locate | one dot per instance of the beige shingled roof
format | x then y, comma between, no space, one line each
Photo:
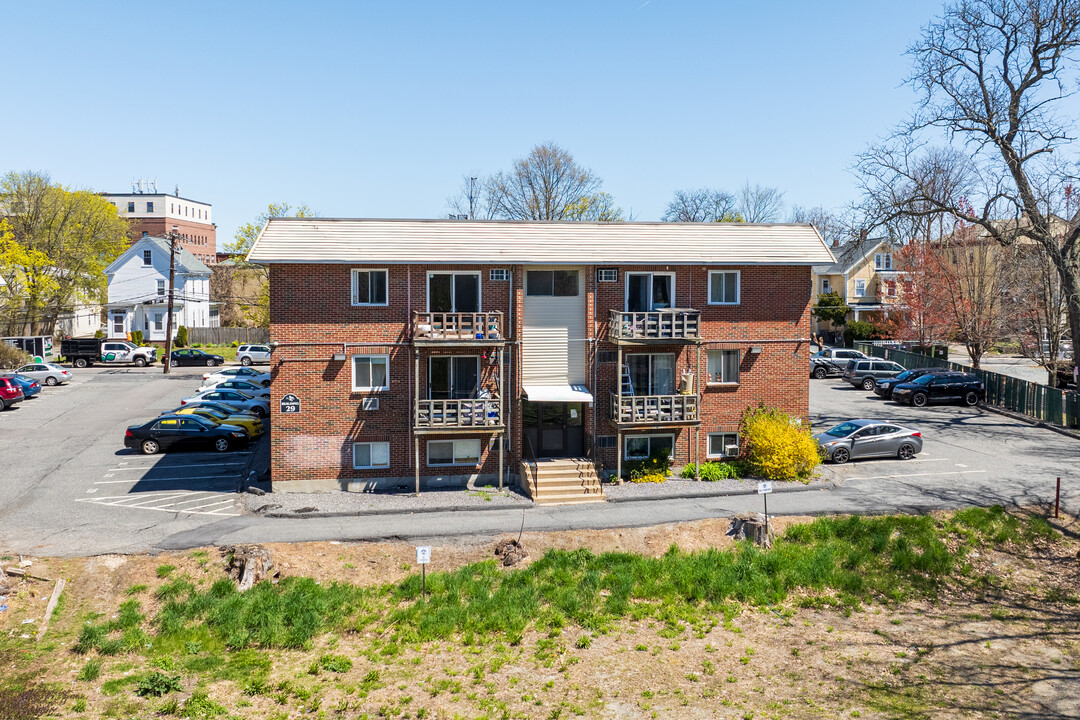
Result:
433,242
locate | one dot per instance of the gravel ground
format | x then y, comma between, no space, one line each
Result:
682,488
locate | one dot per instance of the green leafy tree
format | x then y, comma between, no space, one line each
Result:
830,306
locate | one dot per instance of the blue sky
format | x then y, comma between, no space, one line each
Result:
364,109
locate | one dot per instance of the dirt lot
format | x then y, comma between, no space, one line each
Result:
1008,647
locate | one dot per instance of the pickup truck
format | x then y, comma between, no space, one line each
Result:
87,351
832,361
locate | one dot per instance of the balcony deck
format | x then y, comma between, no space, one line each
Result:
469,328
677,325
646,410
452,415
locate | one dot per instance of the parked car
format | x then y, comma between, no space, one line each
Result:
253,389
30,387
941,387
831,361
232,398
10,393
858,439
885,387
174,432
240,373
228,409
192,356
250,354
866,373
249,422
45,373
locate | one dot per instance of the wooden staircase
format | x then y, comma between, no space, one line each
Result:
566,480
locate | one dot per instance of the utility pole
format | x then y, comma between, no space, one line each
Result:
167,365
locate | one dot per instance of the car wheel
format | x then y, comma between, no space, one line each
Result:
3,404
840,455
259,412
971,398
820,373
140,362
246,362
918,400
868,384
79,362
50,380
150,447
221,444
906,451
266,383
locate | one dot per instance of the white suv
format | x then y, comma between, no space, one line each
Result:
249,354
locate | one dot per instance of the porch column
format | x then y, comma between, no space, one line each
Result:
416,414
499,439
699,382
618,413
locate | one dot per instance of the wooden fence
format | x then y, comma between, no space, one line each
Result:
1042,402
228,335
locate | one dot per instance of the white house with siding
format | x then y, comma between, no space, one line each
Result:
139,291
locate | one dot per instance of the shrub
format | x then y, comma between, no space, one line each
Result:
235,343
181,337
335,663
659,463
99,334
713,471
779,447
137,337
647,478
156,684
12,357
859,330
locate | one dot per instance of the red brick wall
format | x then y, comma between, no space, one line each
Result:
312,318
197,238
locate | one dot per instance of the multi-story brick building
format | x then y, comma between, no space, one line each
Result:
154,214
442,351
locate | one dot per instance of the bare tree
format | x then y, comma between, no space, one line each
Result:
547,184
835,229
992,75
703,205
760,204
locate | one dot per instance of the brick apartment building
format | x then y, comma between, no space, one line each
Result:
440,352
155,214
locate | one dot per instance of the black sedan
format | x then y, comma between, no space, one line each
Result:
184,432
191,356
885,386
941,387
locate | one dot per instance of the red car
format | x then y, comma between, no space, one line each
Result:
10,393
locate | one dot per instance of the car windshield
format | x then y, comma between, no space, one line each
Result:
819,353
843,430
923,379
905,375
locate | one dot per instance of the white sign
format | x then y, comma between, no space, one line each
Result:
423,554
764,488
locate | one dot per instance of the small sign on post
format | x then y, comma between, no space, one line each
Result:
423,557
764,488
290,404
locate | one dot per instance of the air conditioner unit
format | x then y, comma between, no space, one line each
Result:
731,451
369,404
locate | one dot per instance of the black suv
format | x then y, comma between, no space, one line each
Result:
941,387
885,387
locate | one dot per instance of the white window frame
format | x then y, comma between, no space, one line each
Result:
499,275
453,288
371,454
454,459
161,288
626,289
826,286
147,258
860,287
709,379
738,286
352,287
883,261
708,444
369,388
626,445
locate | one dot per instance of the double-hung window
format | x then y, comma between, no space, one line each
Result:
883,261
641,447
453,292
860,288
147,258
724,287
453,377
160,287
369,455
652,373
453,452
649,291
369,287
723,444
723,366
370,372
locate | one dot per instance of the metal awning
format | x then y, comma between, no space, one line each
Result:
558,393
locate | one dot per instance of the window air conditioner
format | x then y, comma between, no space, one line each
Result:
731,451
369,404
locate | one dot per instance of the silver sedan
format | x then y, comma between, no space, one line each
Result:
45,373
858,439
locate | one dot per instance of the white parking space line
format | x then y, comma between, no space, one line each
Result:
172,502
911,475
166,467
173,479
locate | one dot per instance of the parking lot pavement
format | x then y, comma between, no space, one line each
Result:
970,455
69,486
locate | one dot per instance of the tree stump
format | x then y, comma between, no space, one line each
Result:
511,552
750,526
247,564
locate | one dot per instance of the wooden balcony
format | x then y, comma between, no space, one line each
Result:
458,415
655,409
466,327
659,326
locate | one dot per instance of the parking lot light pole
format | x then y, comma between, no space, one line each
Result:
172,237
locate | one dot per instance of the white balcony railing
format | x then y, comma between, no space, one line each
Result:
675,324
654,409
453,414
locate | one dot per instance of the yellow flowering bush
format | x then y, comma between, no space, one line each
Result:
778,446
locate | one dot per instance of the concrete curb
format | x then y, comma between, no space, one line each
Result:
1032,421
783,489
